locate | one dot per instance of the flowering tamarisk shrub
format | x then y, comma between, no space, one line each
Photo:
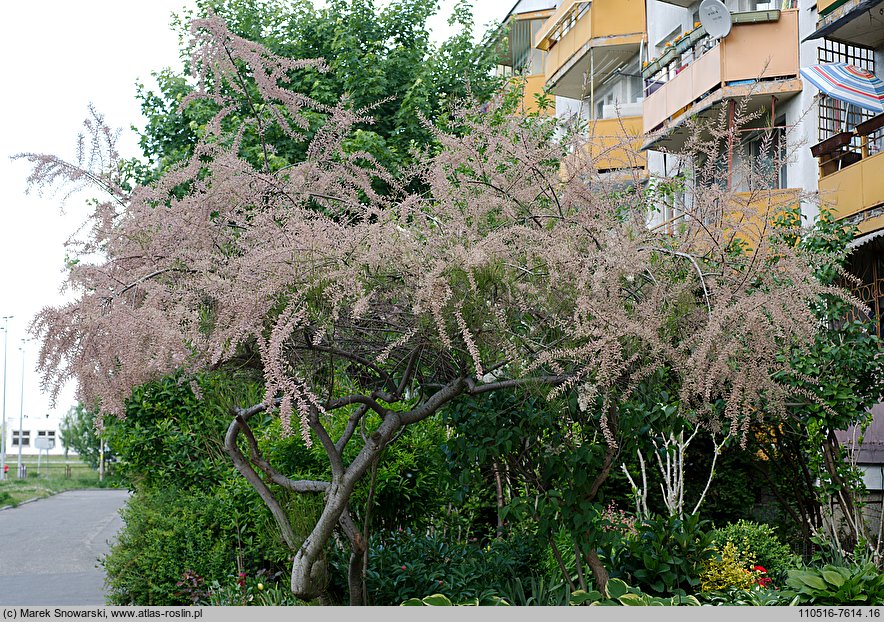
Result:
504,270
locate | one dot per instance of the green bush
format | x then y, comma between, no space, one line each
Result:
403,565
667,555
440,600
168,533
836,585
172,438
618,594
728,569
536,592
760,542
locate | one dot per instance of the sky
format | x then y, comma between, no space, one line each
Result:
60,57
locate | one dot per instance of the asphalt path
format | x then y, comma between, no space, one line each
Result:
49,549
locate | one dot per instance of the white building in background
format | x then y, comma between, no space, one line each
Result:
33,426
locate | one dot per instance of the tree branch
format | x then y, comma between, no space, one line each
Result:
352,422
242,465
275,476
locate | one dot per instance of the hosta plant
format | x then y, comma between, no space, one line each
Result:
837,585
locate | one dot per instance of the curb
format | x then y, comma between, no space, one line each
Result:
31,500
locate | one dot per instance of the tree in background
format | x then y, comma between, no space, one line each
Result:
367,312
77,431
809,470
381,58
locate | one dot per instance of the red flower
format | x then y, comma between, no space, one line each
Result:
403,567
760,569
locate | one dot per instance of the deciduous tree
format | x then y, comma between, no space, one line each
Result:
506,270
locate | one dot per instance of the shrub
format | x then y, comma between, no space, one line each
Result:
403,566
440,600
667,555
243,590
168,533
755,597
760,542
728,569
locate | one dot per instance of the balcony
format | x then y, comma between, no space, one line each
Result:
758,59
856,193
589,39
851,21
851,179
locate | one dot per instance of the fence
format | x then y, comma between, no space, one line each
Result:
52,469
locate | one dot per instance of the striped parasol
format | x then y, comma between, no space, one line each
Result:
847,83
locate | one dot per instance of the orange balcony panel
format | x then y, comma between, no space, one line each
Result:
616,144
533,88
754,212
612,18
767,50
769,203
855,190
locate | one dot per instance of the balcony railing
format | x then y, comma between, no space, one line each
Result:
766,50
851,178
613,28
750,215
823,6
615,144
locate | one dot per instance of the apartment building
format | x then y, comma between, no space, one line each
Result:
640,69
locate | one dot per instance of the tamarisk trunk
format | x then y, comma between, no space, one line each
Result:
309,568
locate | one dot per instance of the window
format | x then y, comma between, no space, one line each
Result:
46,434
766,150
661,45
24,440
867,264
753,5
835,116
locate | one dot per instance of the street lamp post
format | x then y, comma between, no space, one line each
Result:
5,319
21,406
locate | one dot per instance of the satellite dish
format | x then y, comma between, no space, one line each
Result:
715,18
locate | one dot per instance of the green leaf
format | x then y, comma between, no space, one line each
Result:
616,588
493,601
833,577
809,579
437,600
631,600
581,596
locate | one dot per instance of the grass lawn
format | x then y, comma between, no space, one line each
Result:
56,475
